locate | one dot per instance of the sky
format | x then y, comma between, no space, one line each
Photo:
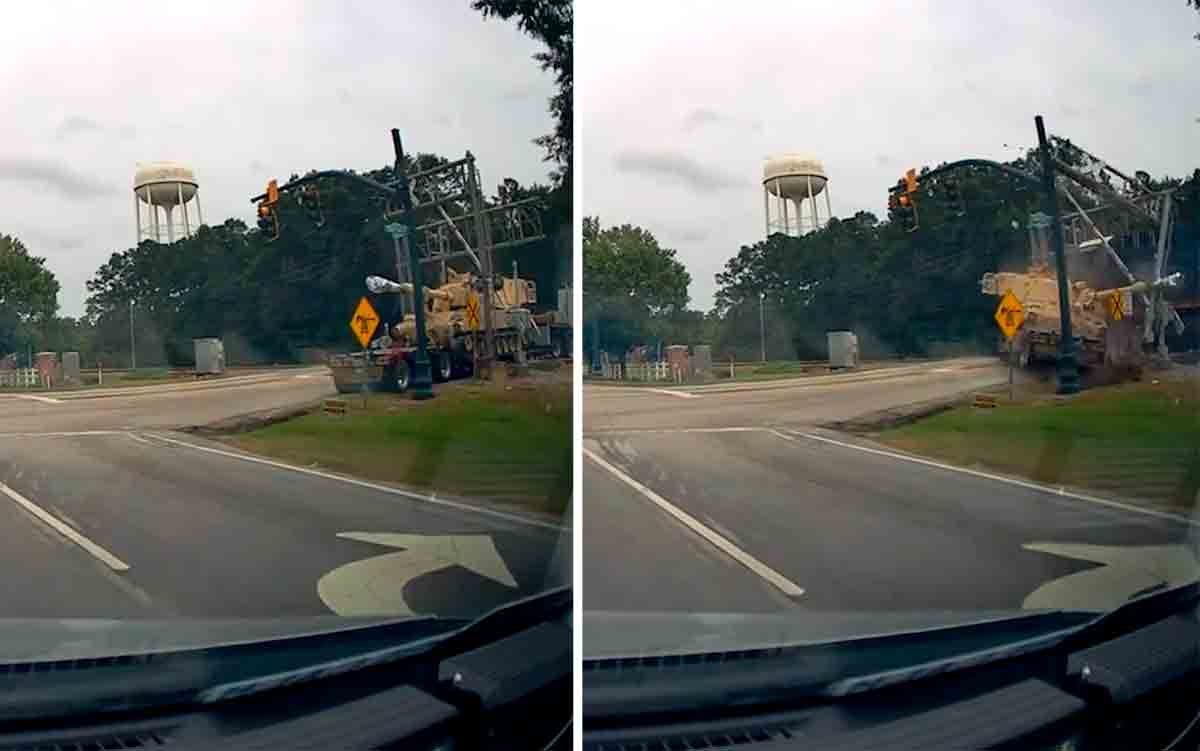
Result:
242,92
680,103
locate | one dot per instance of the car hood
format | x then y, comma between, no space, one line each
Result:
609,635
39,640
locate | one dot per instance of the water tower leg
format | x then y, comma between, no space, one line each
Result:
154,214
812,204
786,224
199,214
828,203
170,225
187,230
137,216
766,209
779,214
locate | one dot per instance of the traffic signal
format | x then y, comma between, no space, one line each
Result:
310,201
952,195
906,212
902,203
268,221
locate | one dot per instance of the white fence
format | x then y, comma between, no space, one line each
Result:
642,371
21,378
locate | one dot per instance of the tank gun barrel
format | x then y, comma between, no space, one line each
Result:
379,286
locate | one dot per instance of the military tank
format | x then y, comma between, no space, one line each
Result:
1106,323
451,309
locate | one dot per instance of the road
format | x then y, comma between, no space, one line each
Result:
106,510
724,499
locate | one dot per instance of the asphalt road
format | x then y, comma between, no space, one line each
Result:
721,500
105,511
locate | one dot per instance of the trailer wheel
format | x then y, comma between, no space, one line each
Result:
443,367
398,377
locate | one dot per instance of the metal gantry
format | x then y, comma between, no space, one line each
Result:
462,226
1137,202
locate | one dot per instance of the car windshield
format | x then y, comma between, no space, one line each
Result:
890,317
206,410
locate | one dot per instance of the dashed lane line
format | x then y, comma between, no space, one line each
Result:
64,529
717,540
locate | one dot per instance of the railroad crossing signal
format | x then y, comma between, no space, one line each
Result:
473,312
1009,314
364,322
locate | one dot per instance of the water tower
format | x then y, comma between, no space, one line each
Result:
163,187
794,179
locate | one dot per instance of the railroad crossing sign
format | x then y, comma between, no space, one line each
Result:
364,322
1114,307
1009,314
473,312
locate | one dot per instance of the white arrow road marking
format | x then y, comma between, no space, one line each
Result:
1125,571
375,586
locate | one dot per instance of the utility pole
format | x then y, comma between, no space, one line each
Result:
422,375
132,344
762,323
1068,367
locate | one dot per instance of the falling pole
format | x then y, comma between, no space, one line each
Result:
1068,367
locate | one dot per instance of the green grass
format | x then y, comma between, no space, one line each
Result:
1134,441
510,446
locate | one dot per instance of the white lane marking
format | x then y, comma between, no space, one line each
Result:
62,434
1059,491
105,557
721,543
138,438
365,484
680,394
35,398
643,431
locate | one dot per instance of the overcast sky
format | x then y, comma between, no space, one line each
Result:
680,102
241,92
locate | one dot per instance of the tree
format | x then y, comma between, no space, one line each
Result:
28,294
633,287
552,23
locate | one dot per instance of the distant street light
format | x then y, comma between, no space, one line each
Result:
762,324
132,343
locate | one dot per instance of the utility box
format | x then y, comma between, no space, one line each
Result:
565,303
47,367
702,361
210,356
677,357
843,349
70,368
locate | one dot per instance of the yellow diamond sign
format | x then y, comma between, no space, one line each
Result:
473,312
364,322
1009,314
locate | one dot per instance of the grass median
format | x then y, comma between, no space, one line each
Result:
511,446
1137,441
